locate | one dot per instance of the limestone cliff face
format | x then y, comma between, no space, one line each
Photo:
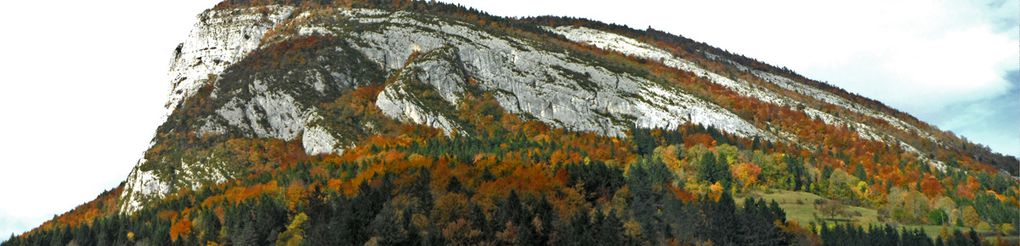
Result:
266,72
406,98
219,38
610,41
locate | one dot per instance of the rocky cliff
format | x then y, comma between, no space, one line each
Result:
266,72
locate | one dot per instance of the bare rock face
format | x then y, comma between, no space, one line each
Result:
629,46
231,65
553,87
550,86
426,91
219,39
141,184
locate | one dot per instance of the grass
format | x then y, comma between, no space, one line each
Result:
800,207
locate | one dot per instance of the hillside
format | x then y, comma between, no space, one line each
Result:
397,122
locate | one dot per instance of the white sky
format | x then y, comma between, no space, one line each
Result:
82,83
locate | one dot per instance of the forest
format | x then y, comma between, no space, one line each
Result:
512,179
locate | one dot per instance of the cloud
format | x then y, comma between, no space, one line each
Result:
84,81
993,120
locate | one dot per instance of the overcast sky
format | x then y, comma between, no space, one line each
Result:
82,83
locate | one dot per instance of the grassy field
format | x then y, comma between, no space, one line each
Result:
800,207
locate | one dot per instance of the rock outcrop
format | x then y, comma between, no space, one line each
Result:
267,72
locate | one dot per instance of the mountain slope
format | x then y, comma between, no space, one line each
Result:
343,99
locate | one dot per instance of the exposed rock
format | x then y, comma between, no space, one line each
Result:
219,39
317,140
426,91
144,185
249,91
628,46
553,87
141,184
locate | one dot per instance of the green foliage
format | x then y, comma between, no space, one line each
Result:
597,179
498,180
938,217
887,235
256,222
712,168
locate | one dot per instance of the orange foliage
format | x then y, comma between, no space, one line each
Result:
104,204
267,154
239,194
681,193
524,180
715,191
968,190
295,195
167,215
747,173
699,138
180,228
931,186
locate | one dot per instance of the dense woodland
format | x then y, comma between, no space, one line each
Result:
514,180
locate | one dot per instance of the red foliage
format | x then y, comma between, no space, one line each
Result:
931,186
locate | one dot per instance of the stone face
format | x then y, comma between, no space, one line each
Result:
554,87
628,46
140,184
437,71
144,185
219,39
424,64
397,102
318,140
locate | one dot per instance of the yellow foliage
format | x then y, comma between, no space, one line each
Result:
747,173
971,217
294,235
632,228
715,191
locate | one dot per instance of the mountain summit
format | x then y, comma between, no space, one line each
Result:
382,122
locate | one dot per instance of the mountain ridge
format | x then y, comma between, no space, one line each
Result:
281,79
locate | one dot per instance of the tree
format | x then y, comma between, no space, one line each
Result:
931,186
971,217
610,231
722,219
180,228
256,222
747,174
294,235
860,173
643,140
454,185
840,184
832,208
938,217
798,179
714,168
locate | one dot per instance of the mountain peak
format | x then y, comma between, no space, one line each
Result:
409,110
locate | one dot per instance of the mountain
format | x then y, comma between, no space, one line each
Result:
389,122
